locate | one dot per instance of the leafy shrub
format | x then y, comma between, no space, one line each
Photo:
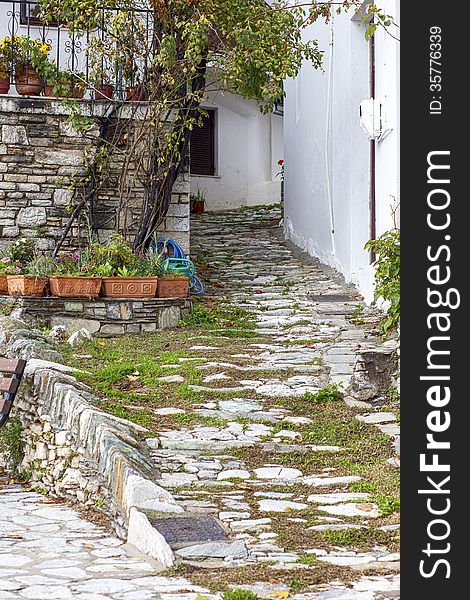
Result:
387,274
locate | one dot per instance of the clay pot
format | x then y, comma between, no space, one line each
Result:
173,287
4,85
3,285
26,285
75,286
198,206
28,83
71,90
136,93
129,287
105,91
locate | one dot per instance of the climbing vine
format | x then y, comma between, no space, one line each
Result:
387,274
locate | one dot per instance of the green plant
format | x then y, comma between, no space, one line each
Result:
40,266
239,594
31,53
329,393
12,444
21,251
4,263
387,274
5,58
116,258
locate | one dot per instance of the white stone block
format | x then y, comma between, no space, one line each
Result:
147,539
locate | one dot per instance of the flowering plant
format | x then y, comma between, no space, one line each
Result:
5,57
21,251
280,162
4,264
29,52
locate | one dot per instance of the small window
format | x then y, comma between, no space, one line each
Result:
30,14
202,147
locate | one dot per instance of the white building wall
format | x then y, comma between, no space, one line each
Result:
248,146
327,153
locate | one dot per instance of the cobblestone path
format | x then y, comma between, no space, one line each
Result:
302,520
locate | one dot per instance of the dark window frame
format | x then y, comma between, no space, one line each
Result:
27,19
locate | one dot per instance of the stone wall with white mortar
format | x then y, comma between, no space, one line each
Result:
39,155
76,451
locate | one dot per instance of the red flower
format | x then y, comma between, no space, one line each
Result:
280,162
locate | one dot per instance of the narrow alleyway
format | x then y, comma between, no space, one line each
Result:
262,437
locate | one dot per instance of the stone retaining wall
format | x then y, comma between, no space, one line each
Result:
103,317
39,154
75,451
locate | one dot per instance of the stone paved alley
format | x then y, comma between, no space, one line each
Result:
289,504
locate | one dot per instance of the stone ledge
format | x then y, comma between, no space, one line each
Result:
78,452
103,317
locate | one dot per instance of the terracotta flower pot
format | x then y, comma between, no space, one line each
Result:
173,287
4,85
105,91
28,83
198,206
136,93
129,287
3,285
70,90
26,285
75,286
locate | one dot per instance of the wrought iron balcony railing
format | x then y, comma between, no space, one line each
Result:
45,58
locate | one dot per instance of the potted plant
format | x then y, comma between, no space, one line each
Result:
65,84
4,263
5,65
172,284
31,280
126,273
73,277
198,201
31,59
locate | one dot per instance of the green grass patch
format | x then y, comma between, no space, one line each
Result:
331,393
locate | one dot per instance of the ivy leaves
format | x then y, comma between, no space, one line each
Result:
387,274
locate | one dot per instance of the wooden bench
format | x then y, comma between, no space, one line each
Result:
11,372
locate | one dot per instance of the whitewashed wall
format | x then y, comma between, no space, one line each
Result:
327,157
248,146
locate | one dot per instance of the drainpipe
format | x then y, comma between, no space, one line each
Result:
327,140
372,156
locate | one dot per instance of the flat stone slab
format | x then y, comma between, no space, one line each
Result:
379,417
327,481
280,505
366,509
236,549
233,474
336,498
277,473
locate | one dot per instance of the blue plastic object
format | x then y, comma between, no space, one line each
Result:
176,260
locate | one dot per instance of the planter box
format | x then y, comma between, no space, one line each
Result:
26,285
75,287
129,287
3,284
173,287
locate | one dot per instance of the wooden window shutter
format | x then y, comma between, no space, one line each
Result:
203,146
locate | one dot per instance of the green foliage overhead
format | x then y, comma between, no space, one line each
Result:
251,47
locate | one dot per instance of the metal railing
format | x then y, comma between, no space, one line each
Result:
90,65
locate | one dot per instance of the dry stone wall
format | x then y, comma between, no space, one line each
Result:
39,154
74,450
